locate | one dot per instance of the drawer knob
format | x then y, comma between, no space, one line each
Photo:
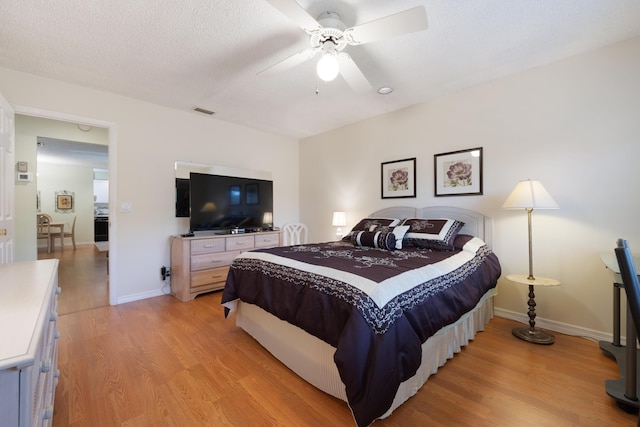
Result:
53,317
45,366
58,290
47,414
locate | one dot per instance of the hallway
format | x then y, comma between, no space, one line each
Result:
83,277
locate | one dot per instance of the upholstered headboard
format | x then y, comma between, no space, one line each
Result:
475,223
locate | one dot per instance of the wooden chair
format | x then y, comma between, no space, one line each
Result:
632,288
44,229
294,233
71,233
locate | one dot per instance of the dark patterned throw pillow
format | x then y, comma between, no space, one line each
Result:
374,239
437,234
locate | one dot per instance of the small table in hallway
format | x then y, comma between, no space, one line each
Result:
60,233
103,247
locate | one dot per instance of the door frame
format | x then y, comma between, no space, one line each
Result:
113,180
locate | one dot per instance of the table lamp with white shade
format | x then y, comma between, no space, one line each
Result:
339,220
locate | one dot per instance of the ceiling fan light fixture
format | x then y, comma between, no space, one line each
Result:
328,67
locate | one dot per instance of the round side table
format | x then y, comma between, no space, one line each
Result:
532,334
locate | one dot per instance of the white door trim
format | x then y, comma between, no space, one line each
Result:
7,182
113,181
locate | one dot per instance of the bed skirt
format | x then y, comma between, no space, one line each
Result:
312,358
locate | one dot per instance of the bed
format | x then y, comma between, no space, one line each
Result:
363,319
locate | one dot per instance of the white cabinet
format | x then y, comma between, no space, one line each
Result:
101,191
29,336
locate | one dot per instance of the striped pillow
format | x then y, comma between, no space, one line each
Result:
374,239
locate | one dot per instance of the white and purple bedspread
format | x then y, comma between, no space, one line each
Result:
376,307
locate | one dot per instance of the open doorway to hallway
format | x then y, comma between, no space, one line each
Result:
65,160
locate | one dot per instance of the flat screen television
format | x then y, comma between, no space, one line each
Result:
223,203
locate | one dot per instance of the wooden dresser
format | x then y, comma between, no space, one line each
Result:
29,342
200,264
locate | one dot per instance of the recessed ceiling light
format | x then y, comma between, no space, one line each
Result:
385,90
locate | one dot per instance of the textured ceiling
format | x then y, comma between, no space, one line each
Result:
207,53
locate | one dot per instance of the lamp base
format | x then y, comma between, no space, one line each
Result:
535,336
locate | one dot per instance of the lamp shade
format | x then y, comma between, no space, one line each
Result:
328,66
339,219
530,194
267,218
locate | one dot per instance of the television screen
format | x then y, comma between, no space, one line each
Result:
219,202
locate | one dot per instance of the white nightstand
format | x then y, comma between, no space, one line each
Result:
532,334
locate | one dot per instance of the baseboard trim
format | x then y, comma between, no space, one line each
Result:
563,328
139,296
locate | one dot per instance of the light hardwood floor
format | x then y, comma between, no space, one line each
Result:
161,362
82,276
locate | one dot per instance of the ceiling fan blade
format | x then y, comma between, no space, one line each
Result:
409,21
352,74
291,61
292,10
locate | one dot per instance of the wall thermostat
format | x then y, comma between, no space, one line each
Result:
23,177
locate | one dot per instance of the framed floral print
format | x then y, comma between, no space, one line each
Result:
64,201
458,173
398,179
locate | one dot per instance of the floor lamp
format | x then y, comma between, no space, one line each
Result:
530,195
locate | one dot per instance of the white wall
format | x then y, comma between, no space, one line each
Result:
149,139
574,125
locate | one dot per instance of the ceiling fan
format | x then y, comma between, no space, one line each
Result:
329,36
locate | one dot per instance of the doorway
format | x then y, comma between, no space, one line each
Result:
72,168
110,127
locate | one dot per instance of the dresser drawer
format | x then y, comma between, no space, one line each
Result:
203,246
267,240
207,277
213,260
239,243
201,264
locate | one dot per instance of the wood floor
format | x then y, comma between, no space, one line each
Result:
82,276
161,362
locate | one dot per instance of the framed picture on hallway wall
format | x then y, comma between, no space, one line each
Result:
398,179
458,173
64,201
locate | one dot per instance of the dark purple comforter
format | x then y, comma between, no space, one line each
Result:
376,307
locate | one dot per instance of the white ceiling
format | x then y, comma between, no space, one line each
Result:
207,53
64,152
